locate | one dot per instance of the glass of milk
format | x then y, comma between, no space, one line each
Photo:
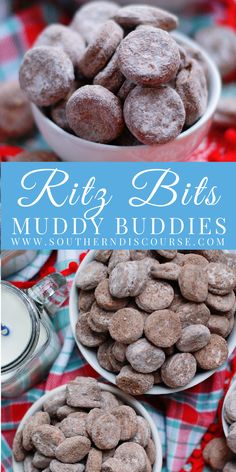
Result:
29,343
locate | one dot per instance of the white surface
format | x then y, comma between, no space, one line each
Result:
72,148
226,425
18,466
16,317
90,354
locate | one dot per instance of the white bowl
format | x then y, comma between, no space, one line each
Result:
139,408
72,148
91,357
226,425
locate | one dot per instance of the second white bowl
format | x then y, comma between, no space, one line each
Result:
127,399
226,425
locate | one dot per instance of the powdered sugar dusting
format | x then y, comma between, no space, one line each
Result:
154,115
46,75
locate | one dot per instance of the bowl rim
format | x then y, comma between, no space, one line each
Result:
214,84
90,355
139,408
225,424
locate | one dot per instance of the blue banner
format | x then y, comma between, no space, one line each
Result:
118,205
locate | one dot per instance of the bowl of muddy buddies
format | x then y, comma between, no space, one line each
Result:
157,321
119,84
229,410
86,426
229,427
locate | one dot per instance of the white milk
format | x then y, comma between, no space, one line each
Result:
16,318
30,344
